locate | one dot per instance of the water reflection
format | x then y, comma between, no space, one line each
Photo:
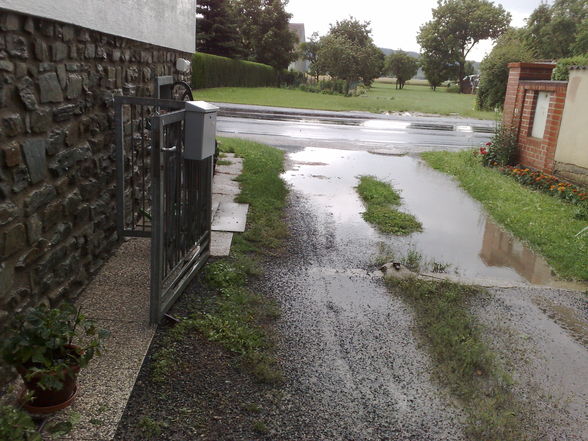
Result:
499,248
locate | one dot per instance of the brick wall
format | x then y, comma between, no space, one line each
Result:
525,82
57,166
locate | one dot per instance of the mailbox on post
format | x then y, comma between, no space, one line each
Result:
200,130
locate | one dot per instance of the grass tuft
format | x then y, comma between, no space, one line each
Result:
548,224
380,199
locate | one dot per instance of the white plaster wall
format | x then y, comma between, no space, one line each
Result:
167,23
572,143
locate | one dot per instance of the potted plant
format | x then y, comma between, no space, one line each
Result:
48,347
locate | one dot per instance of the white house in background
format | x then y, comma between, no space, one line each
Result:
300,64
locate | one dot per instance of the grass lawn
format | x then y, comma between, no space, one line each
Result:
548,224
382,97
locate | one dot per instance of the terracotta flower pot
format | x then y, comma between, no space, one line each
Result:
48,400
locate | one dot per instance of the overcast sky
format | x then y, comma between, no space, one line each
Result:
394,23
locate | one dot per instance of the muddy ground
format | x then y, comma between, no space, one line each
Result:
353,366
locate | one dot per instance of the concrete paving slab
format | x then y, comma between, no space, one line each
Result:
230,217
233,169
229,189
220,243
220,179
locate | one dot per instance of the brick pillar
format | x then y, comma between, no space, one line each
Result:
519,72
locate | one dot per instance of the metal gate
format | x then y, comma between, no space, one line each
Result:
162,195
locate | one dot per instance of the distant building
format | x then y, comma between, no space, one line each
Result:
299,64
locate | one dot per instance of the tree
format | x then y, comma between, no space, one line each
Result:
436,69
309,51
457,26
402,66
265,35
509,48
553,31
216,29
348,52
580,46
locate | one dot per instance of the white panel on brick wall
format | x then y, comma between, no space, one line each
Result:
166,23
540,117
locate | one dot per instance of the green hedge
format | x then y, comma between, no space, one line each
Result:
214,71
562,69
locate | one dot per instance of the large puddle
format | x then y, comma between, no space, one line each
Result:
456,231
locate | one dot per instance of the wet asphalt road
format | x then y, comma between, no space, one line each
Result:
291,129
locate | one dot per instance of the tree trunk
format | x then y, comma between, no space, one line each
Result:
461,73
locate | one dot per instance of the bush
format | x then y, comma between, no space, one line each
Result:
214,71
292,78
562,69
494,70
502,149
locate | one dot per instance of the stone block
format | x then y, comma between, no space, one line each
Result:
17,46
72,203
50,88
46,28
74,86
21,69
33,254
67,33
29,25
56,141
52,214
6,66
34,228
9,22
58,51
35,150
15,239
72,67
12,156
8,212
40,49
64,113
39,198
6,278
62,75
13,124
83,35
116,55
41,120
62,185
90,51
20,178
26,91
46,66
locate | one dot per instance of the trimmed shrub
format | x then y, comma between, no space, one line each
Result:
562,69
214,71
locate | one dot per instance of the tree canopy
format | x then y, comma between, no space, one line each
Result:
558,31
256,30
217,31
402,66
457,26
348,53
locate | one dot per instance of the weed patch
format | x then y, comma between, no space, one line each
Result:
462,359
380,200
235,316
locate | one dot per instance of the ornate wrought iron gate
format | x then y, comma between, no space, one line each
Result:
162,195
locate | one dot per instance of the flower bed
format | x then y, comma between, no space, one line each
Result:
537,180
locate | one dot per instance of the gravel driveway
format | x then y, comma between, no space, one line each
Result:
352,365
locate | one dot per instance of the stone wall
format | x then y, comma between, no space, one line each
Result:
57,162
